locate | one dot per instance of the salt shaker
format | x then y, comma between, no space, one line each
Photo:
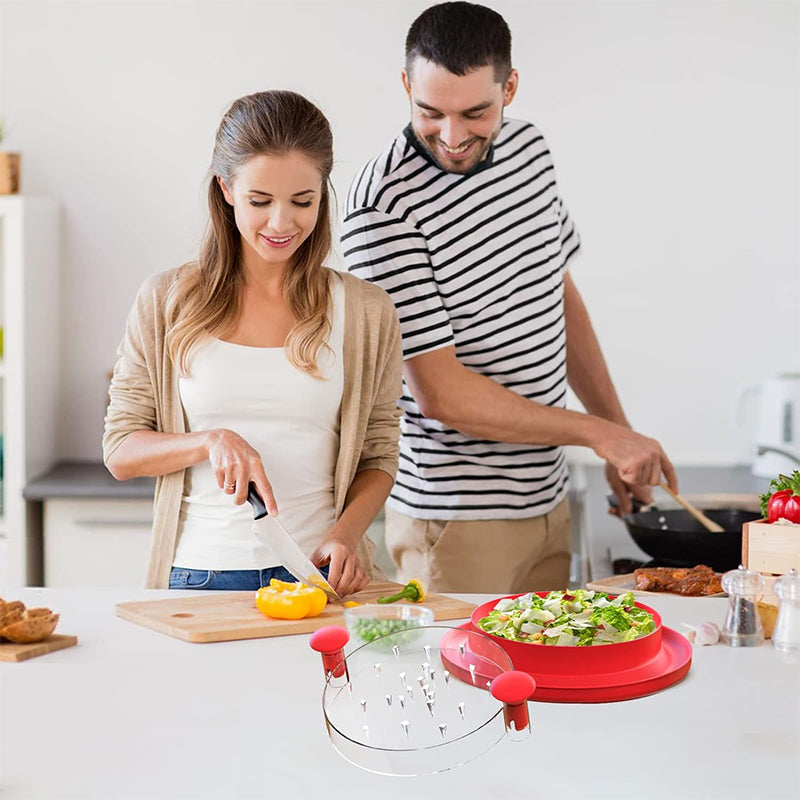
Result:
742,626
786,636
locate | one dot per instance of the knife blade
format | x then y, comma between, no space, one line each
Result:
285,547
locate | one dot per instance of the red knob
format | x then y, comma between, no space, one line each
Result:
514,690
513,687
330,641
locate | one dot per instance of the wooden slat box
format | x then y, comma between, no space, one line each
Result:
771,550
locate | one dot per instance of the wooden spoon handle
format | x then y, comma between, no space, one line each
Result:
707,523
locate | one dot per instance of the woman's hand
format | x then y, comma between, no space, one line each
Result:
346,574
235,464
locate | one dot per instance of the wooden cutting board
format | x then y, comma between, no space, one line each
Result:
20,652
226,616
626,583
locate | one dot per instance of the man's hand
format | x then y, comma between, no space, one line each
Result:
635,463
625,493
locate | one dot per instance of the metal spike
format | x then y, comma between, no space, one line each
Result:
403,679
420,680
377,668
462,649
433,674
401,700
363,705
396,650
430,704
472,672
427,650
488,684
443,729
446,677
410,690
389,700
349,688
461,706
404,726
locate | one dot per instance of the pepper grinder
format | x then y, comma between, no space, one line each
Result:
786,636
742,626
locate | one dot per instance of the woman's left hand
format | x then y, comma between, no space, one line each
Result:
346,574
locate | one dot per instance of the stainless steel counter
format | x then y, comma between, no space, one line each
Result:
86,479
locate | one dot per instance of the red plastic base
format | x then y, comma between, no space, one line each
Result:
666,668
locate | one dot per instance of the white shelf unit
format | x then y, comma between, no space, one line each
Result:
29,374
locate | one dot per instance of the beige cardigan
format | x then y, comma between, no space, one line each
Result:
144,395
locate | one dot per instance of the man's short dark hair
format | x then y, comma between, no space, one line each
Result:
461,37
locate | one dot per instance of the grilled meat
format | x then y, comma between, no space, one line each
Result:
693,582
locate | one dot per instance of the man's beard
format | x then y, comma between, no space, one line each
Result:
432,146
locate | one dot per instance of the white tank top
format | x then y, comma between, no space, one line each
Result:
290,418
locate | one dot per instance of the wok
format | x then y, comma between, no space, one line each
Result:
676,538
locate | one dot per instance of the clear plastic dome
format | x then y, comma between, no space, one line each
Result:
417,701
788,587
742,582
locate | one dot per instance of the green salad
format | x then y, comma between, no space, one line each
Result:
573,618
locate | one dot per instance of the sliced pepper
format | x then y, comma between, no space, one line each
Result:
285,600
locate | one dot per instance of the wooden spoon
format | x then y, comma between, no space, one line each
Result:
707,523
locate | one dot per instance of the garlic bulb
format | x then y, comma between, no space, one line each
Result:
705,634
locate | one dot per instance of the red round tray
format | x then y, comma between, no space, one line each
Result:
599,674
668,666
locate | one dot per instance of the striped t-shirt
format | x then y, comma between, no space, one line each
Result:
475,261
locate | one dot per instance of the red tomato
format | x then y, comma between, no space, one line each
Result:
784,505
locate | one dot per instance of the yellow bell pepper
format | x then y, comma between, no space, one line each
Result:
284,600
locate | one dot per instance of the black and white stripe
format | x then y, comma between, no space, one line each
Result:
475,261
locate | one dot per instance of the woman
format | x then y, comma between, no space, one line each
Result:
257,363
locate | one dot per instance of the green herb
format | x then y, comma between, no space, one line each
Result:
778,485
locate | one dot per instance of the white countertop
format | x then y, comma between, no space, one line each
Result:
131,713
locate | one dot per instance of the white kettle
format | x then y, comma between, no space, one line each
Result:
777,426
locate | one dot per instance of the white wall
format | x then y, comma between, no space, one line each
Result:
674,126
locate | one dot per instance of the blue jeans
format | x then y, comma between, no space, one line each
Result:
229,580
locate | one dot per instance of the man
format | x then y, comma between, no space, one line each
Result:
460,220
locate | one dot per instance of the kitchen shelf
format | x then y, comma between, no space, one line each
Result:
30,367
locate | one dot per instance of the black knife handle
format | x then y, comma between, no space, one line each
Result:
254,498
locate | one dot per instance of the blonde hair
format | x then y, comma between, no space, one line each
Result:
205,298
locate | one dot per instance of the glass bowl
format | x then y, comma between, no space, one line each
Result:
371,621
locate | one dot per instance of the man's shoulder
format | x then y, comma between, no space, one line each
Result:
520,130
391,166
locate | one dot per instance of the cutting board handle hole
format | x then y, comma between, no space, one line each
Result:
183,615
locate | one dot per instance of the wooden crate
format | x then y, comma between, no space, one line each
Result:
771,550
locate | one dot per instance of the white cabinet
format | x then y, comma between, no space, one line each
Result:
29,372
96,542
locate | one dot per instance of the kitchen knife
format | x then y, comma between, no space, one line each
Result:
285,547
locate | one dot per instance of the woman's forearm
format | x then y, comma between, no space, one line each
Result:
152,453
364,500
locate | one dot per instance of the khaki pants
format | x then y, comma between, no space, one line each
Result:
494,556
